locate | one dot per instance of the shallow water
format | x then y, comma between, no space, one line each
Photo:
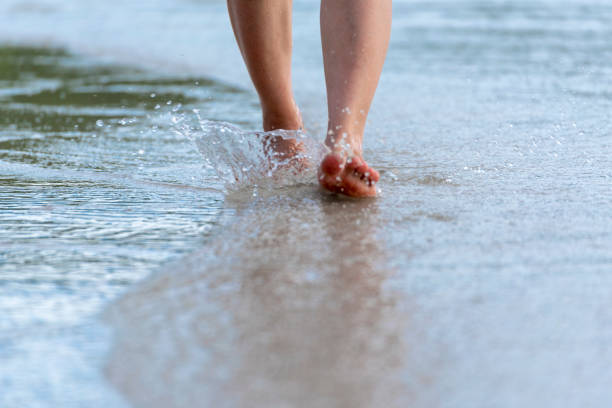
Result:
138,268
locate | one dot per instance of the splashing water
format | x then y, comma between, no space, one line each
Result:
242,158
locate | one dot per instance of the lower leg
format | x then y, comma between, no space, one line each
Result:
263,33
355,36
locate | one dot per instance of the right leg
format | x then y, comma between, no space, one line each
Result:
355,35
263,32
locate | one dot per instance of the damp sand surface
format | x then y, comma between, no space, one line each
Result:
151,257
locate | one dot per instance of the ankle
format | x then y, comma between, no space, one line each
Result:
287,118
344,142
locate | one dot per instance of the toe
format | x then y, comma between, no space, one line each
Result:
374,176
368,174
363,169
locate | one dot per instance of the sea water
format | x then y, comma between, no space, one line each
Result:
151,255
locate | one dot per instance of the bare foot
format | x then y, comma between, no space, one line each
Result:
284,152
349,176
282,149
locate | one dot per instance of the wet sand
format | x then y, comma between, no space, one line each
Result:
288,306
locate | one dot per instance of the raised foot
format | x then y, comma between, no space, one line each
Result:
282,149
351,177
285,154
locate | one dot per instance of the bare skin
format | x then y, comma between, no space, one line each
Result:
355,37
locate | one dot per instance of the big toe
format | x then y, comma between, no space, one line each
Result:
332,165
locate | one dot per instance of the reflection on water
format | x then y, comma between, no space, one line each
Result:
90,201
293,311
84,169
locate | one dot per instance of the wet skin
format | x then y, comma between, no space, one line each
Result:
354,39
351,176
338,173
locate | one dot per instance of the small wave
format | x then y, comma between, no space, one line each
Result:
242,158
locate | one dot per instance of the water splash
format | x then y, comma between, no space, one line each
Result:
243,158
